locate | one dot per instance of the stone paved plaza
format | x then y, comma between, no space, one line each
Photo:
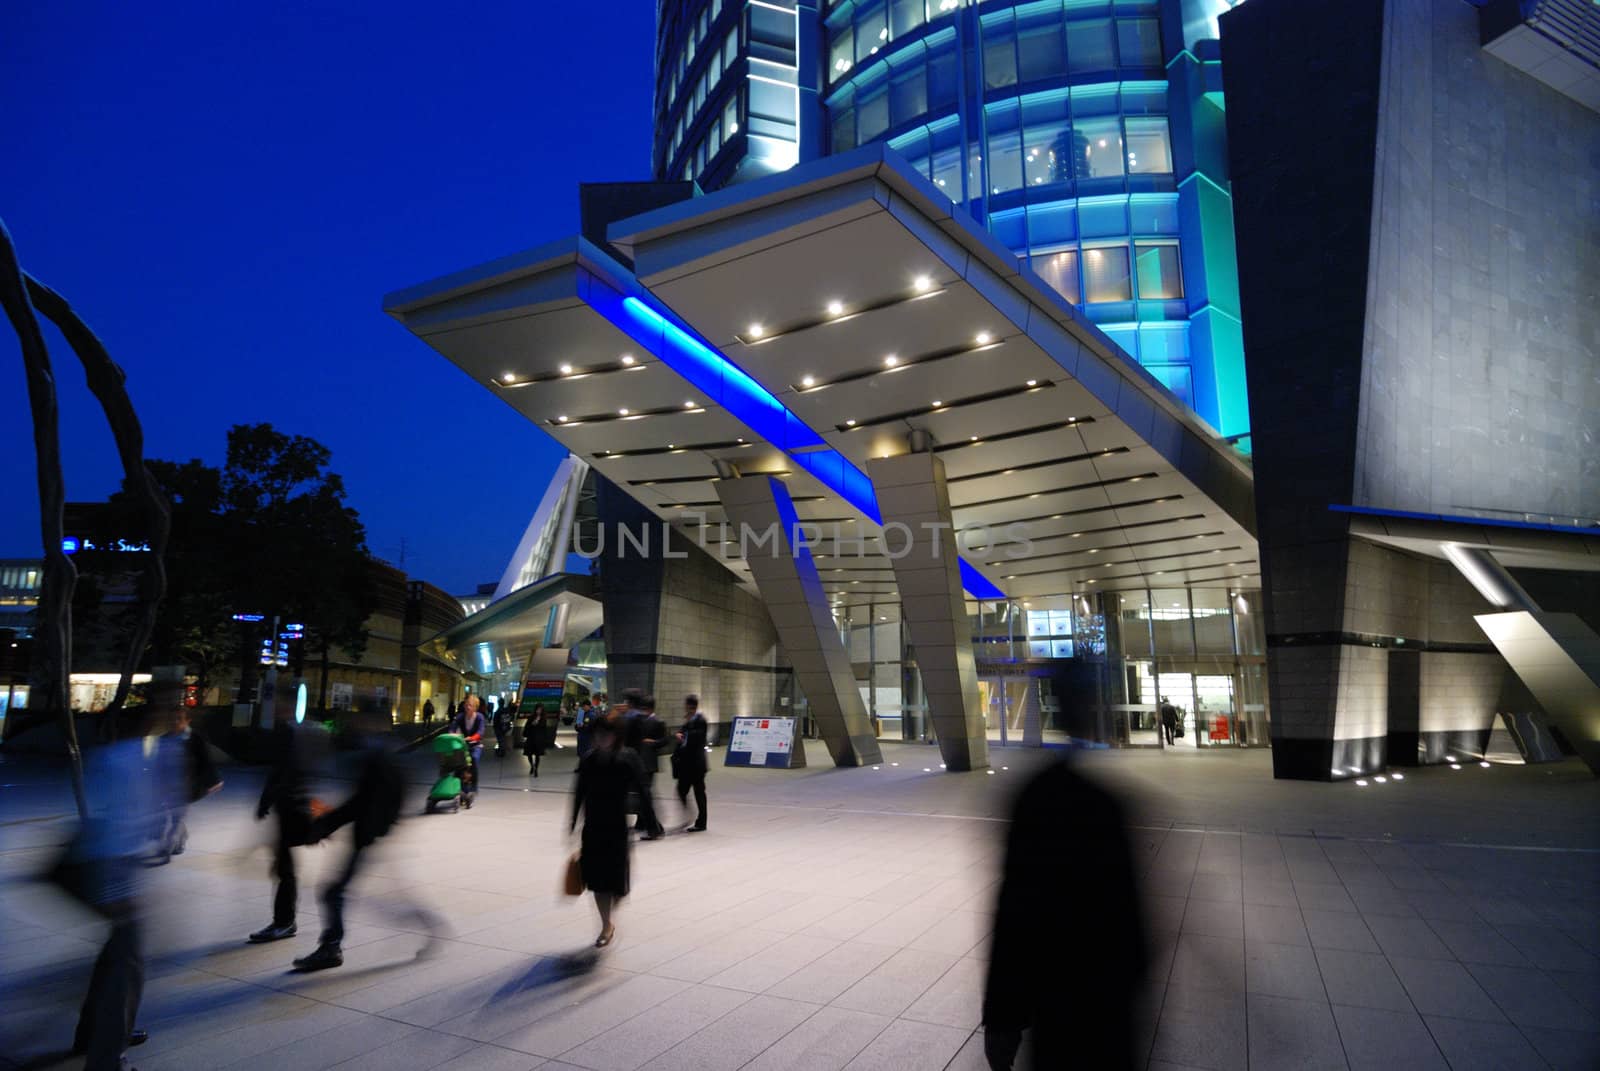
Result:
838,918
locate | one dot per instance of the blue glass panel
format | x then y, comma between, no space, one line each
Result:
978,585
1144,98
1124,335
1103,217
1153,213
1176,378
788,518
1052,224
1010,228
1164,343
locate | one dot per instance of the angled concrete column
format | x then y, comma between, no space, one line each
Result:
759,508
921,542
1558,658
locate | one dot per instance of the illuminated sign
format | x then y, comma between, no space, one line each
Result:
300,703
73,544
249,617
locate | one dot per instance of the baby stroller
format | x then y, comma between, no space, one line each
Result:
455,772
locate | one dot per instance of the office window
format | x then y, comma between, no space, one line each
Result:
945,157
913,145
772,101
844,128
1060,270
1149,150
1047,141
842,52
908,95
872,114
943,77
1139,42
872,28
1039,50
906,15
772,34
714,138
999,52
730,117
1005,148
730,48
1089,46
1097,146
1160,277
1105,274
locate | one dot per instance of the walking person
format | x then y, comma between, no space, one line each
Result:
606,776
535,738
427,711
1169,721
583,723
502,728
689,762
191,776
371,811
470,723
644,735
287,795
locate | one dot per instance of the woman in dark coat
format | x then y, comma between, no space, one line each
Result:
605,777
535,738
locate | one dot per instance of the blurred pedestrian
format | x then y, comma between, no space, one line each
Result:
102,869
1170,721
1069,945
427,711
535,738
372,810
644,734
502,728
470,723
190,777
606,776
288,795
689,762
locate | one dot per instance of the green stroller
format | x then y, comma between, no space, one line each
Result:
455,764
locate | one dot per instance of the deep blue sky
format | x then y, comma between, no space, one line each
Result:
226,191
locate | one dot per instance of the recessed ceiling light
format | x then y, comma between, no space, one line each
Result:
808,381
937,403
622,412
755,331
984,338
922,283
890,361
627,358
508,377
835,308
689,404
1033,382
849,423
566,370
973,439
561,419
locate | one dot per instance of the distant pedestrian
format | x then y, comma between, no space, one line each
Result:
644,734
190,776
535,738
502,728
1170,720
606,777
583,721
689,762
470,723
372,810
427,711
1073,986
286,794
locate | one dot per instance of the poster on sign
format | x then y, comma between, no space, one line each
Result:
770,742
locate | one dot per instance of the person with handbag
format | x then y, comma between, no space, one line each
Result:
605,778
689,762
287,794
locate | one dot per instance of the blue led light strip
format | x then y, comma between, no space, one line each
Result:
729,386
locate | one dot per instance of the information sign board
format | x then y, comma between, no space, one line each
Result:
770,742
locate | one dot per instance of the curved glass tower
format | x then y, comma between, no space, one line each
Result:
1087,135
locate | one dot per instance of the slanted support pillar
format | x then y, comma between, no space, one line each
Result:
920,541
760,509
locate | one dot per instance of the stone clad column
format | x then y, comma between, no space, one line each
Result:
759,508
921,542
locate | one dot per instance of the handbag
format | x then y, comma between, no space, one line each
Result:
572,882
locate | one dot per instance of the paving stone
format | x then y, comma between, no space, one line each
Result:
1378,1039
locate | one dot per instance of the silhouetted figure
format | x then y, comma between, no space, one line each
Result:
643,733
371,811
502,728
583,723
1069,943
427,711
689,762
288,795
535,738
1169,720
606,776
190,776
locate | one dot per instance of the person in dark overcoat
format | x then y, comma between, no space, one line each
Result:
535,738
689,762
606,776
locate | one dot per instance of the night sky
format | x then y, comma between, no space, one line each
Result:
226,192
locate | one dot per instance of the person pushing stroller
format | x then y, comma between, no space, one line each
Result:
470,724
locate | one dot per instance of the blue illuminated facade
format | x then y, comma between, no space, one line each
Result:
1087,135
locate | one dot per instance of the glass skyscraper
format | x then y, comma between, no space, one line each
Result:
1086,135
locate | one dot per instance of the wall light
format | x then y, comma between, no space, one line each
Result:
984,338
755,331
622,412
508,377
561,419
890,361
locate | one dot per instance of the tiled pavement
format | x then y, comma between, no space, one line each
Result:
836,919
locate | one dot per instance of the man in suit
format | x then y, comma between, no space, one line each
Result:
689,762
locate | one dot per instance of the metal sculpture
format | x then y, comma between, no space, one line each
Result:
23,296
